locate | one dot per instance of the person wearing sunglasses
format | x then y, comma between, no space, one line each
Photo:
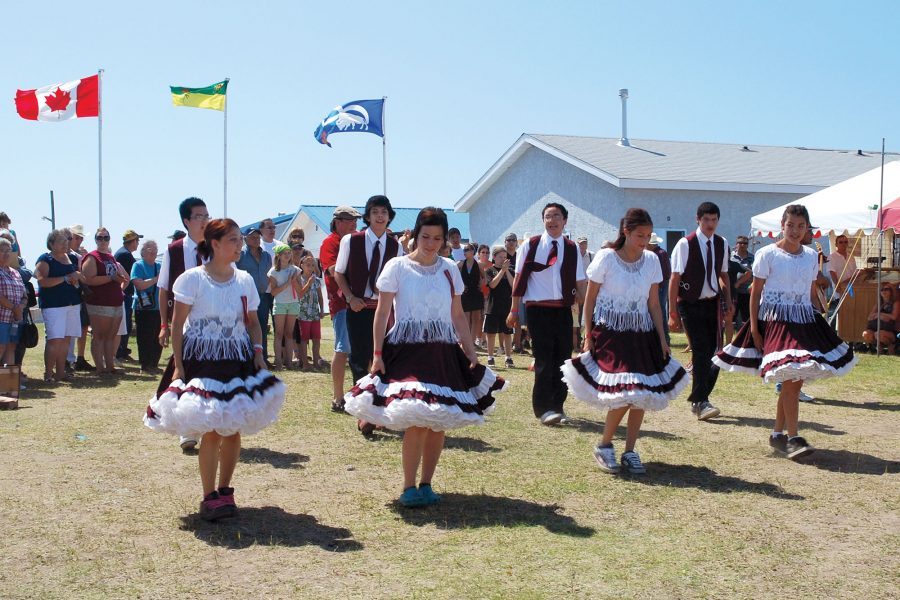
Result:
105,278
886,310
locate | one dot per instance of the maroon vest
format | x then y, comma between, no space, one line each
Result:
694,275
567,275
176,268
358,267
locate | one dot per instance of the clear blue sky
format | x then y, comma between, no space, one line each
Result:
463,81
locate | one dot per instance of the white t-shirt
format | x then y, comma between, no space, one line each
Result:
288,294
547,284
423,300
215,326
680,256
624,289
836,264
458,254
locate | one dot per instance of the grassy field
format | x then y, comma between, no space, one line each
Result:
94,505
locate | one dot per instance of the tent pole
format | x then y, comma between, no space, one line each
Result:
880,251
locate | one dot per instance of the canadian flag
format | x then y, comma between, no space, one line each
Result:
59,102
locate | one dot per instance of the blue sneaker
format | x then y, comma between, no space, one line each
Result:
411,498
428,494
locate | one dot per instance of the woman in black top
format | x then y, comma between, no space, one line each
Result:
499,279
472,298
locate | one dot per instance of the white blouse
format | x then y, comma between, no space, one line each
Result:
422,301
624,290
786,295
215,326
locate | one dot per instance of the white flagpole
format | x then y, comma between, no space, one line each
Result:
100,146
383,145
225,154
880,252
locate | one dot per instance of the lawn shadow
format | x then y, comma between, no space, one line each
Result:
703,478
464,511
270,526
769,423
468,444
37,394
845,461
586,426
890,406
279,460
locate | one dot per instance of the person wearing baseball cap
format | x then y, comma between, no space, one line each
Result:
178,234
343,222
125,257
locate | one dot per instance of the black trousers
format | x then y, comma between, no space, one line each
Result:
147,324
359,329
701,325
742,308
550,329
123,342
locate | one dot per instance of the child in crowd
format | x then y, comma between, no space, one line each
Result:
284,288
216,385
626,366
786,340
311,308
422,381
499,278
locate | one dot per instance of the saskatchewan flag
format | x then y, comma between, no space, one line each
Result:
211,96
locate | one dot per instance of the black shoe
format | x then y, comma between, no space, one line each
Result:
365,428
83,365
779,442
338,406
797,447
70,368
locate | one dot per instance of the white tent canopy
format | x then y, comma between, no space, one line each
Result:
848,206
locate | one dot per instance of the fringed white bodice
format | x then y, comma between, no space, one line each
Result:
624,289
786,295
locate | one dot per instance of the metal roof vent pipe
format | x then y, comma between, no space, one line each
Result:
623,141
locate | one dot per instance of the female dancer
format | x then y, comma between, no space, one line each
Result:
786,340
421,381
626,365
216,385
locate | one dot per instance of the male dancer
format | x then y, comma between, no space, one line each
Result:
699,277
342,223
359,262
549,278
179,256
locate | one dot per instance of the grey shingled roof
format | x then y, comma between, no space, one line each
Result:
715,163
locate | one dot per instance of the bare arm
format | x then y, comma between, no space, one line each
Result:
587,314
179,317
755,295
657,316
143,284
674,317
379,327
461,323
89,270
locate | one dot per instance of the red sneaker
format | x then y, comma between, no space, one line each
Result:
226,494
214,508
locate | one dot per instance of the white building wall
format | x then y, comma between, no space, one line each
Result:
514,203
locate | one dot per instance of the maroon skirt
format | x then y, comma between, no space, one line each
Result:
425,385
791,352
625,368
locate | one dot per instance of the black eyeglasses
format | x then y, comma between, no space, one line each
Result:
69,238
101,238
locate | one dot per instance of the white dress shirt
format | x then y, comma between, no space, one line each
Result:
343,257
547,284
190,261
680,257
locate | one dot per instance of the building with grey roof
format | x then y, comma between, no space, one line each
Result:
598,179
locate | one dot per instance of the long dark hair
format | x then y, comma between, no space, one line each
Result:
430,215
215,230
634,218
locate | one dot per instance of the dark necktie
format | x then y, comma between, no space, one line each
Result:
373,265
554,253
709,265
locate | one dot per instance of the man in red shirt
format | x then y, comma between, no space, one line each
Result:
342,223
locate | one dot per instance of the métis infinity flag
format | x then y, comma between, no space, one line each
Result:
211,96
359,115
60,101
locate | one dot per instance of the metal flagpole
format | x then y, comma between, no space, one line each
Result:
383,145
880,251
225,154
100,146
